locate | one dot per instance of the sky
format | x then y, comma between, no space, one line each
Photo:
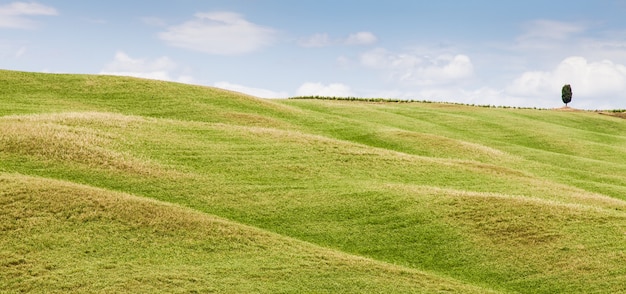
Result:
495,52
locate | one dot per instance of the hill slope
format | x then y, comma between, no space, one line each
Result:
60,236
301,195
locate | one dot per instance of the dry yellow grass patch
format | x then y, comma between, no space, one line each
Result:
84,138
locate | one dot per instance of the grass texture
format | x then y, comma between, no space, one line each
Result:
115,184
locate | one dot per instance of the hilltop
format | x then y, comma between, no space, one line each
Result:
112,184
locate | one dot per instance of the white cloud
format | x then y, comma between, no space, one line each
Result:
479,96
319,89
158,69
382,59
14,15
317,40
445,68
593,83
425,70
220,33
324,40
361,38
257,92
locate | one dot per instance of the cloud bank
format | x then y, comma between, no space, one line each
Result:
420,70
593,83
361,38
157,69
319,89
257,92
219,33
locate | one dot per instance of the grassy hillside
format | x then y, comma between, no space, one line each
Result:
121,184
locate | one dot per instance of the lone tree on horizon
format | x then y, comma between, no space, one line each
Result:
566,94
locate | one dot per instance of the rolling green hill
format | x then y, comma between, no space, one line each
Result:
115,184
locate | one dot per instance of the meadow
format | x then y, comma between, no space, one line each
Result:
117,184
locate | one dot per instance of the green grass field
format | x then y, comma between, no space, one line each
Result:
114,184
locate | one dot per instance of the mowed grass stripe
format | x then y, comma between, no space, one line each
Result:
536,141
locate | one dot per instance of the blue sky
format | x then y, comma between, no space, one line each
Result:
515,53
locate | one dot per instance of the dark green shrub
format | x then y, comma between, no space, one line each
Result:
566,94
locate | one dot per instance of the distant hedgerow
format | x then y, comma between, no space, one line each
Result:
406,101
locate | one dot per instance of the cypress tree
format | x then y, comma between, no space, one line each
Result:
566,94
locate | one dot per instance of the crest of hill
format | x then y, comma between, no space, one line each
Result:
26,93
